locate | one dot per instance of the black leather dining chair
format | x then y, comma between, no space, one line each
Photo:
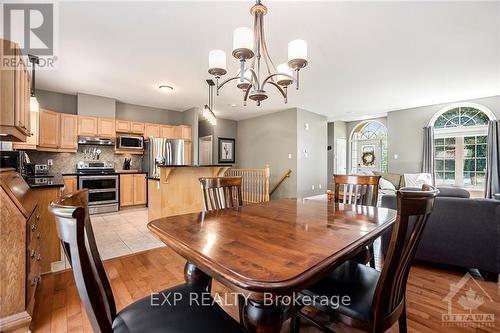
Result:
77,237
377,299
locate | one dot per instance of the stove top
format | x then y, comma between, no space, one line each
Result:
95,167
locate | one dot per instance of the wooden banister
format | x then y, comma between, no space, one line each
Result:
255,183
285,175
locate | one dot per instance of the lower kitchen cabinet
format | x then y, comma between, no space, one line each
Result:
133,189
70,184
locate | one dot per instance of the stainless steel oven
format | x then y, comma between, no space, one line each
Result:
130,142
103,192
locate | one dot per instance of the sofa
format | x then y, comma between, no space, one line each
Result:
460,232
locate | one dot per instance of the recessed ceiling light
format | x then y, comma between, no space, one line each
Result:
166,88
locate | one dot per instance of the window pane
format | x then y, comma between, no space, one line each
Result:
439,165
482,139
450,152
449,141
469,151
481,164
439,142
481,151
449,165
469,139
469,165
481,119
439,152
449,176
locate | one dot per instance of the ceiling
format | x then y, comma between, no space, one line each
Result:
365,58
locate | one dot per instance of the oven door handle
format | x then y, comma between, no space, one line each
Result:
98,177
103,190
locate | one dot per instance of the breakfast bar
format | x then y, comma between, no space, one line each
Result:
177,190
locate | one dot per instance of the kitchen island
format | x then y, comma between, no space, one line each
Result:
177,190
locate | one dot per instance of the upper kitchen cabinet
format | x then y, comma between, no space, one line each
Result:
183,132
151,130
167,131
32,140
106,127
87,125
122,126
15,83
57,131
69,131
136,127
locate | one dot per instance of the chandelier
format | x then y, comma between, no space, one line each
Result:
254,78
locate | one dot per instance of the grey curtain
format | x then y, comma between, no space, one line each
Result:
493,160
428,151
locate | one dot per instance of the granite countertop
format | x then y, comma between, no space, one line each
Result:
117,172
44,181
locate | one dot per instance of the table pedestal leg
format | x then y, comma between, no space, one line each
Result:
193,274
261,318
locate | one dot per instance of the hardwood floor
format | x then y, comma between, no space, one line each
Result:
135,276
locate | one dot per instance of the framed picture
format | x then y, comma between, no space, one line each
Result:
226,150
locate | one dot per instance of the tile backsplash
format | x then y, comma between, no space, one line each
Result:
66,162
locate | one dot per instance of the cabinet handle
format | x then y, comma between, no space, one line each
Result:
33,281
38,257
33,227
39,235
38,216
32,255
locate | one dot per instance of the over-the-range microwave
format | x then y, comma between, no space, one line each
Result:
130,142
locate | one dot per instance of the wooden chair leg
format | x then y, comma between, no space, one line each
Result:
402,321
372,256
294,319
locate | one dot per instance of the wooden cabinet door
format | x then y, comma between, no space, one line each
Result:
183,132
151,130
126,190
87,125
69,133
140,189
26,101
167,131
106,127
7,83
188,152
32,140
70,184
136,127
20,86
49,129
122,126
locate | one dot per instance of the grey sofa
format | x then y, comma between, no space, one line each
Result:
461,232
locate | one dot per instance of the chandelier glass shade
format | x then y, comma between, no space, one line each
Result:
257,70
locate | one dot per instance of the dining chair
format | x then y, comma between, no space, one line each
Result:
145,315
377,299
358,190
221,192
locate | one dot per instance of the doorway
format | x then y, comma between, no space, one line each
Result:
205,148
369,147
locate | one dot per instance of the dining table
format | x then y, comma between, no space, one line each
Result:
271,249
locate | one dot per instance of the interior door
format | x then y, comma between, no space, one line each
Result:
372,152
341,157
205,148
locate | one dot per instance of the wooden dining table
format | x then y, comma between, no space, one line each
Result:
273,248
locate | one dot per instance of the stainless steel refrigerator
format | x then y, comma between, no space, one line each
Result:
159,151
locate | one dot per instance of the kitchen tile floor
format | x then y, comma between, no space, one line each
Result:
124,232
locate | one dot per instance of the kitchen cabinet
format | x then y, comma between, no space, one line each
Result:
122,126
183,132
136,127
57,131
167,131
68,130
188,152
151,130
70,184
32,140
106,127
133,189
15,84
49,129
87,126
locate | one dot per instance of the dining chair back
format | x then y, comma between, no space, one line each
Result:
221,192
414,208
356,189
77,238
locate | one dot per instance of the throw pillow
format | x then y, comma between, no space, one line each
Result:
384,184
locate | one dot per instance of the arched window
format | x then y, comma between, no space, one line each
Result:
369,147
460,132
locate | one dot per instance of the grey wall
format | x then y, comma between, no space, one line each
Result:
225,128
311,153
148,114
190,117
405,133
56,101
269,139
91,105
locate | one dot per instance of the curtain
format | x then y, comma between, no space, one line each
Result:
493,160
428,151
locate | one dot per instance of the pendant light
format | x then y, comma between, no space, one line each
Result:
34,106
